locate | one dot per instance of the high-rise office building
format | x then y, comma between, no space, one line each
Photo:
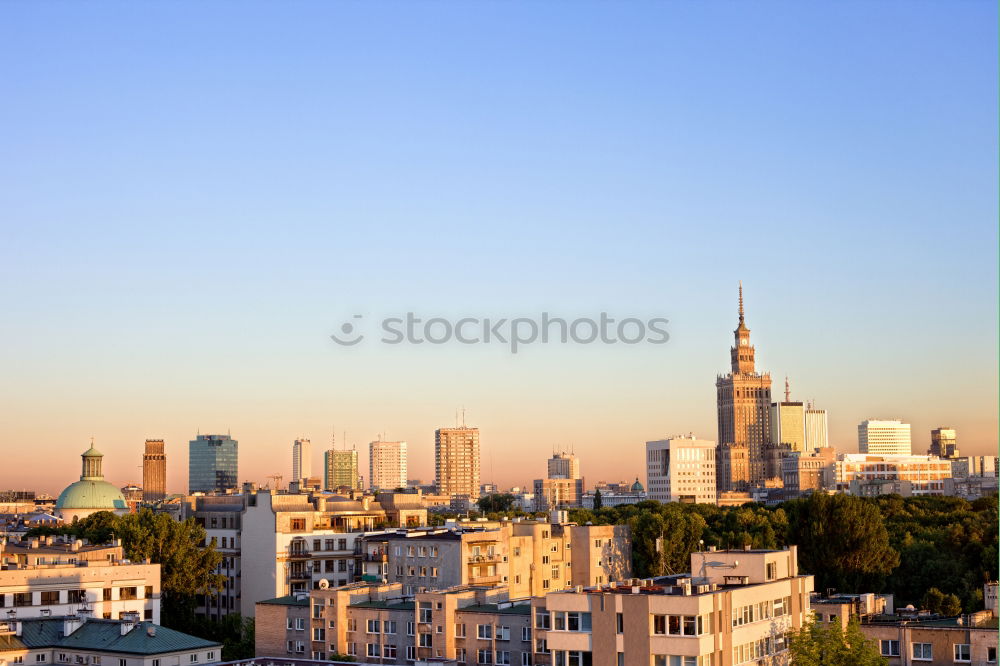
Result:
884,437
213,464
456,461
387,465
301,459
817,433
681,469
564,466
788,422
944,443
340,469
154,471
744,401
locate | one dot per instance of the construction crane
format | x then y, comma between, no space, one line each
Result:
276,478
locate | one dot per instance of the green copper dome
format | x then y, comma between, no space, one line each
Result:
637,487
91,491
91,495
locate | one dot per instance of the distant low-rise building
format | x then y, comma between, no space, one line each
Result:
866,474
803,473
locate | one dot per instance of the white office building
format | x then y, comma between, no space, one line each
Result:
387,465
681,469
884,437
301,459
817,432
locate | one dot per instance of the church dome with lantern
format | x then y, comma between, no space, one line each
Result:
91,493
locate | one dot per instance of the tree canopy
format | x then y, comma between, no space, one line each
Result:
818,644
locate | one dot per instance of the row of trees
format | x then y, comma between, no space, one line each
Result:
901,545
187,570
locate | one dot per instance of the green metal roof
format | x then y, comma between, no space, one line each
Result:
289,600
106,636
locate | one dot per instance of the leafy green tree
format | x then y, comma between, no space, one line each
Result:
664,538
951,606
933,600
842,540
187,564
818,644
496,502
598,500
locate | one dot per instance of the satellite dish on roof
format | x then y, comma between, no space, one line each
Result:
323,583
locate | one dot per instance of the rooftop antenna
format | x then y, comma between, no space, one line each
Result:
741,301
788,390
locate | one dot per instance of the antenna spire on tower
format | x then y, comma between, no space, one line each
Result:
788,390
741,301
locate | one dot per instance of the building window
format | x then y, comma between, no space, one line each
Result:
459,631
411,653
373,649
542,620
389,651
209,656
484,657
620,623
425,640
372,628
963,652
484,632
772,570
922,651
525,659
526,634
991,655
889,648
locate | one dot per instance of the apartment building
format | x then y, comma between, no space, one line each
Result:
80,640
970,639
734,607
528,557
61,577
275,544
379,624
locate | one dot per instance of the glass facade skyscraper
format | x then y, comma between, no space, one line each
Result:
212,463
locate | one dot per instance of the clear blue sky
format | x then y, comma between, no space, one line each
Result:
196,194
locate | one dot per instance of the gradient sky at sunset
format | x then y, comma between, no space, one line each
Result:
195,195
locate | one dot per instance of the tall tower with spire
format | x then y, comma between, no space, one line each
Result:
743,402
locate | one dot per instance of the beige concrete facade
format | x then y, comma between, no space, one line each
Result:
736,607
528,557
456,461
377,624
48,577
274,544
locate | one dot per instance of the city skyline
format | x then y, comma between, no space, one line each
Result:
181,246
